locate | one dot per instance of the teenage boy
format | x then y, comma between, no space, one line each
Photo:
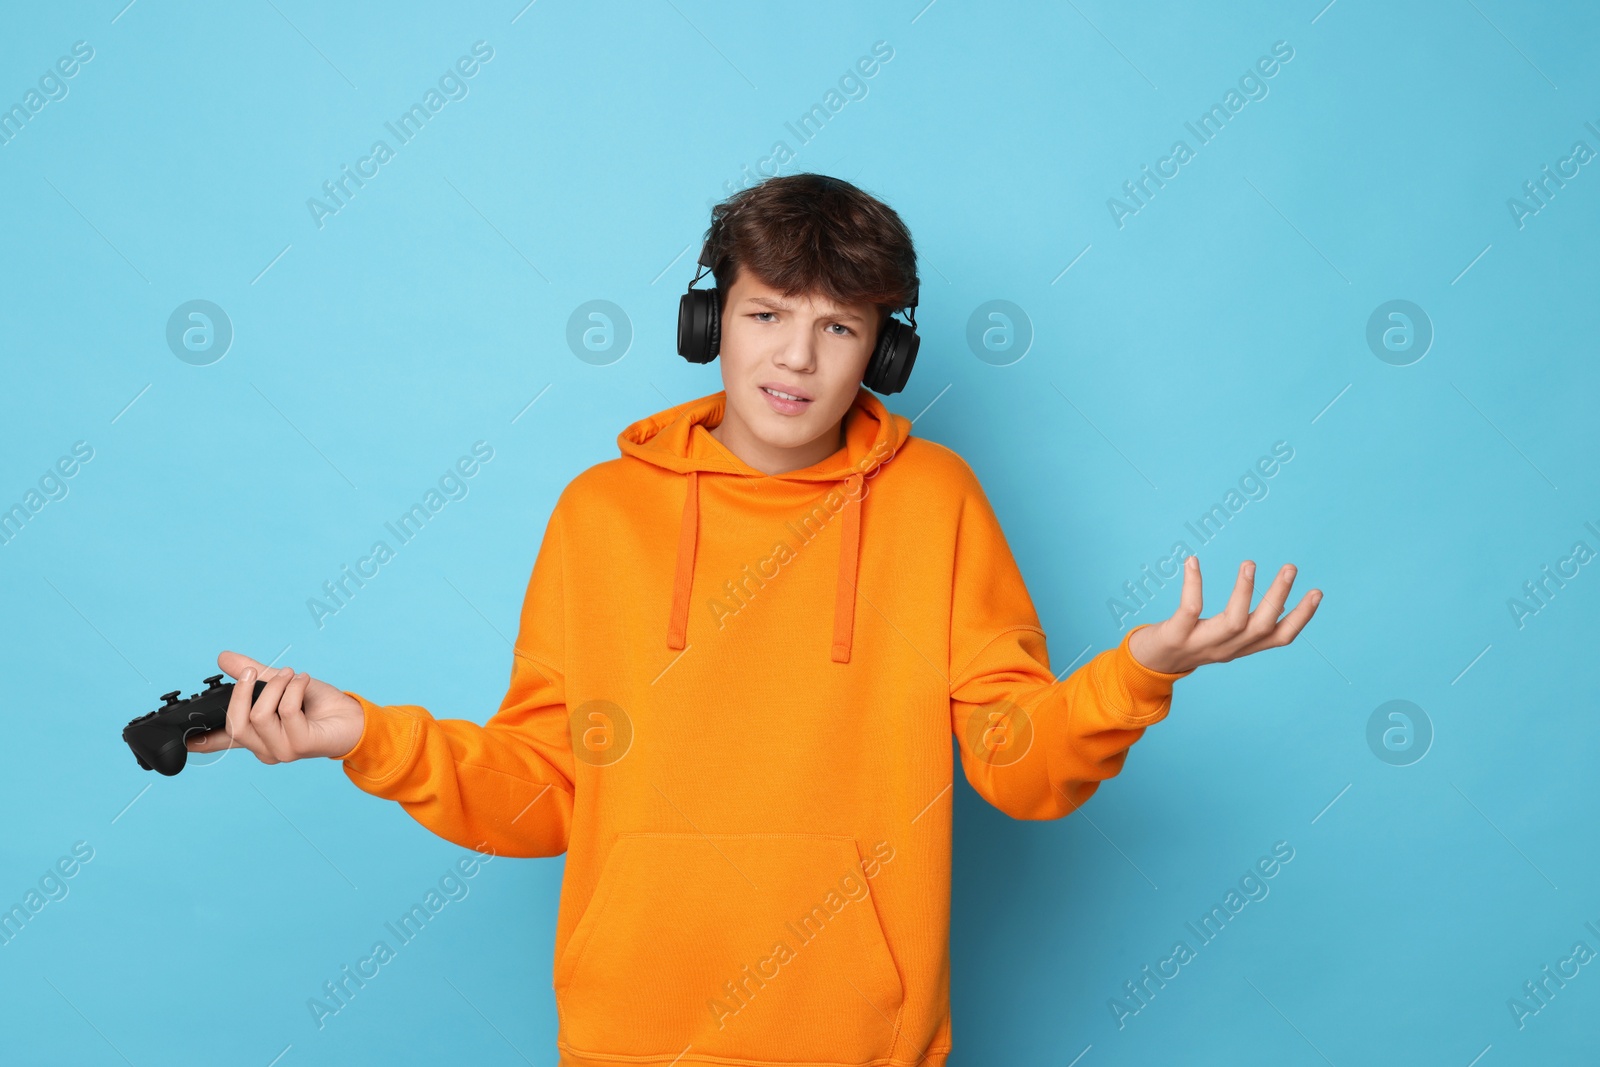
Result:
735,682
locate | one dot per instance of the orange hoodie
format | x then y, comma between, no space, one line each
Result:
740,736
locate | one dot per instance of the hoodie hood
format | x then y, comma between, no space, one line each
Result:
679,440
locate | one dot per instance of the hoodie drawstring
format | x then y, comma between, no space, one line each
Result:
844,599
683,576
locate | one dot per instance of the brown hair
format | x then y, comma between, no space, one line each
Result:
803,233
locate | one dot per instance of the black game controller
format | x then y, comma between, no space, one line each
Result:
157,739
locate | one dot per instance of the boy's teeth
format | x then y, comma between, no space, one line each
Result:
775,392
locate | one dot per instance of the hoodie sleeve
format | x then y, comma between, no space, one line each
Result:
1031,746
507,784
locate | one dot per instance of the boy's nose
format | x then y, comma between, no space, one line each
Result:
799,353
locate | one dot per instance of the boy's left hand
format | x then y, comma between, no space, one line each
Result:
1186,641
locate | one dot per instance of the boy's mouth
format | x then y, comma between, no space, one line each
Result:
784,401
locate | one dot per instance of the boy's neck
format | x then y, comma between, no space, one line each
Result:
732,433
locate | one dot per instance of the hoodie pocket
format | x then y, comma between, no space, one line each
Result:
753,947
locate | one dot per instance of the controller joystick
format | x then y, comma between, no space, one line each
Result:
157,737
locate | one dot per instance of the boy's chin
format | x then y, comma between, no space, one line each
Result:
784,431
776,431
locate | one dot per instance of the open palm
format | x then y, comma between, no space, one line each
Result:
1186,641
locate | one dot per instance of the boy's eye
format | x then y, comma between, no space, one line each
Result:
845,331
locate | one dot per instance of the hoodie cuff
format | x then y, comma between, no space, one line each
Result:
388,738
1143,695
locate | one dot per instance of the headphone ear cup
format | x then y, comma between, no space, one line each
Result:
893,358
699,325
715,315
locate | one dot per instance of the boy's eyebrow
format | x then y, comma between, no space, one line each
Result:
779,305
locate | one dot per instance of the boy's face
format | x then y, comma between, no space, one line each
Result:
805,346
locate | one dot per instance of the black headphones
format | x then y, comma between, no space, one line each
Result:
700,333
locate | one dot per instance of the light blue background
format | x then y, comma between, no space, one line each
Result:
1228,314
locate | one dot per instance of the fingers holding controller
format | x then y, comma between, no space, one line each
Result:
265,721
292,716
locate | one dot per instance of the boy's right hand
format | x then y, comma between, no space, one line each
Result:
296,716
